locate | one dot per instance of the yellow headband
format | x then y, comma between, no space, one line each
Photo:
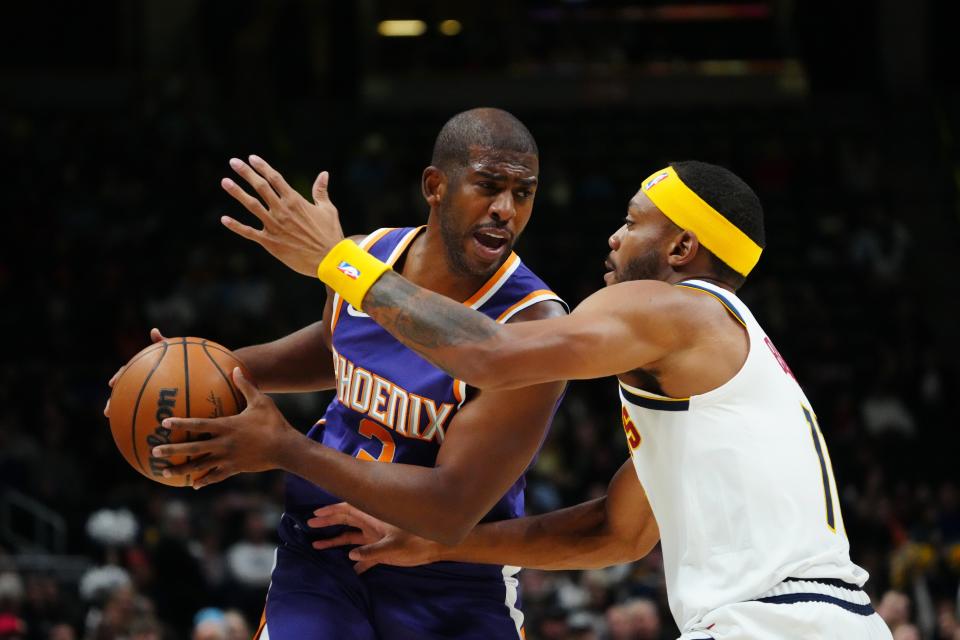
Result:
688,211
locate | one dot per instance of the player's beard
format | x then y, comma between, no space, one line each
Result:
646,266
454,239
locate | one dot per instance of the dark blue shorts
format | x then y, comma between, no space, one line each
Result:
315,595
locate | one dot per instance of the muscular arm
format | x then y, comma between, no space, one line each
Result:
614,529
617,329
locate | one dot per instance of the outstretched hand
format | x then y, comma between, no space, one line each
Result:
254,440
299,234
381,543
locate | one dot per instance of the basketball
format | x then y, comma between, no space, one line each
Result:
177,377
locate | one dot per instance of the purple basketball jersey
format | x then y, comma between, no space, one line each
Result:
392,405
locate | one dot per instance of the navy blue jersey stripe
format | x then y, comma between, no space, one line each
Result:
722,298
655,403
832,582
794,598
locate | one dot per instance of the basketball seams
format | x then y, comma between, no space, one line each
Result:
160,370
136,407
147,351
186,390
159,345
233,391
226,378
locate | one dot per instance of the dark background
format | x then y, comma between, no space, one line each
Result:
117,120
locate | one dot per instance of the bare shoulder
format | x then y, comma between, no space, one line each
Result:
675,315
704,308
646,297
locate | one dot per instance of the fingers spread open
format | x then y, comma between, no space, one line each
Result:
272,175
249,203
255,180
242,230
319,189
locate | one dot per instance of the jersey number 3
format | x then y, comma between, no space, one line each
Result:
370,429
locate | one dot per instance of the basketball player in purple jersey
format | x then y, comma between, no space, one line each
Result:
456,454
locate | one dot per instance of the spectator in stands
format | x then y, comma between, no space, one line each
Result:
62,631
209,624
236,625
906,632
894,608
12,627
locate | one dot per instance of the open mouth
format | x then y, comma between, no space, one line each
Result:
491,243
492,239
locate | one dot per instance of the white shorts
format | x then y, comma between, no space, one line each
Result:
798,610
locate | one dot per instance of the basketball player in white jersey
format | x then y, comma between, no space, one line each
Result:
731,472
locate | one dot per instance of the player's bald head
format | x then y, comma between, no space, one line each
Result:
493,130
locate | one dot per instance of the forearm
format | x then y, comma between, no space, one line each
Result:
412,497
299,362
451,336
574,538
598,339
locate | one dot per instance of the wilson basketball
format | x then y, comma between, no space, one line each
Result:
178,377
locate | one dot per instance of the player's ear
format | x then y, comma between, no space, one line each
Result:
683,248
433,184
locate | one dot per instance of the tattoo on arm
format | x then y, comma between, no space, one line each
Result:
422,319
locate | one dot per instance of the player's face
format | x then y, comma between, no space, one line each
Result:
637,247
485,208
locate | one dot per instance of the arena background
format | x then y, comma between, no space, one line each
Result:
117,120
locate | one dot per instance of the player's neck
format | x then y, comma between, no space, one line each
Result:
683,277
426,265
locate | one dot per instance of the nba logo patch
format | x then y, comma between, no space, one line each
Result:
348,270
655,180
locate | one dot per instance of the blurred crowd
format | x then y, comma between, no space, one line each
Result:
113,228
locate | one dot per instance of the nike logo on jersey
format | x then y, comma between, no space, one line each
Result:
353,312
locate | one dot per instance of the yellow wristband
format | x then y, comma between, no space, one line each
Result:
350,271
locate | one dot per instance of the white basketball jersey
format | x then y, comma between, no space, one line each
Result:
739,480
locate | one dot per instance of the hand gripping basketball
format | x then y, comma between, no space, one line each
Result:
253,440
299,234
